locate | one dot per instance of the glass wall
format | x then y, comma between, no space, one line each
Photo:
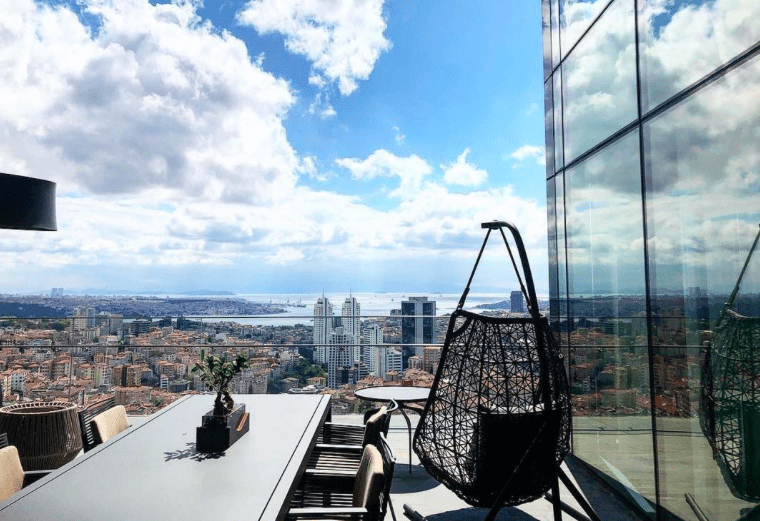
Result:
653,212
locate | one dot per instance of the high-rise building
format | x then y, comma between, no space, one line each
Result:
84,317
351,323
323,325
372,335
517,302
652,198
340,355
418,329
388,359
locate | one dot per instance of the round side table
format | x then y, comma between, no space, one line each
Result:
403,395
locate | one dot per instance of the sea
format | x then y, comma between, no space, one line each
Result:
299,308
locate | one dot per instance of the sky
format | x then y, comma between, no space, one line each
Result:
273,145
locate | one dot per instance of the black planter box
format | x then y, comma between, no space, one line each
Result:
218,433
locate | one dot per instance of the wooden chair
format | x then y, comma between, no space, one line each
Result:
85,417
108,424
332,487
347,456
12,475
326,494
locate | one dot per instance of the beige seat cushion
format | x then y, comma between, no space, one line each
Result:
373,427
11,472
108,424
369,480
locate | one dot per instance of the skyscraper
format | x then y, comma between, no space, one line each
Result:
323,319
340,355
517,302
372,335
351,322
417,329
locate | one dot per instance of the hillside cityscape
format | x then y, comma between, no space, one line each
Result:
141,348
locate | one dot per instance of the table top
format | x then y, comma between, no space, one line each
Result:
151,471
400,393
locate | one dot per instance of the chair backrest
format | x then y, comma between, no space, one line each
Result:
85,417
108,424
374,427
378,423
389,464
368,486
11,472
4,440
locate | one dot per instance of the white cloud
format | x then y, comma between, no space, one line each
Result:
343,39
285,256
463,173
400,137
527,152
156,99
411,170
168,145
531,109
321,106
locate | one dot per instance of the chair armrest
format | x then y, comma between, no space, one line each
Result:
328,512
333,447
30,476
332,474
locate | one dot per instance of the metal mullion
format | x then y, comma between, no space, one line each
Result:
572,48
647,289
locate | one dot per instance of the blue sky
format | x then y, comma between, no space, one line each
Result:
273,145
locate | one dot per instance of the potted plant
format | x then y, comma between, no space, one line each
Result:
226,423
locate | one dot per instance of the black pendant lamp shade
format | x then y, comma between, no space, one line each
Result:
27,203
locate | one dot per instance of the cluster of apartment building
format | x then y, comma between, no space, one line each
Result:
47,364
353,348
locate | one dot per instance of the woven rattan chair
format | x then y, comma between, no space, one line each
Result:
730,397
334,495
85,418
347,456
108,424
12,475
46,434
497,424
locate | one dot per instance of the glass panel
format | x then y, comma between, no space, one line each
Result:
551,220
599,89
547,36
703,211
608,337
561,263
577,16
558,152
605,233
555,32
549,128
682,42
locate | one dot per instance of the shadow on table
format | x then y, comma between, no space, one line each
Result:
191,453
477,514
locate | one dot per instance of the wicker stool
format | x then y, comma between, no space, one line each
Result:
46,434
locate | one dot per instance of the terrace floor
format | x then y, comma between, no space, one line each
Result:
437,503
